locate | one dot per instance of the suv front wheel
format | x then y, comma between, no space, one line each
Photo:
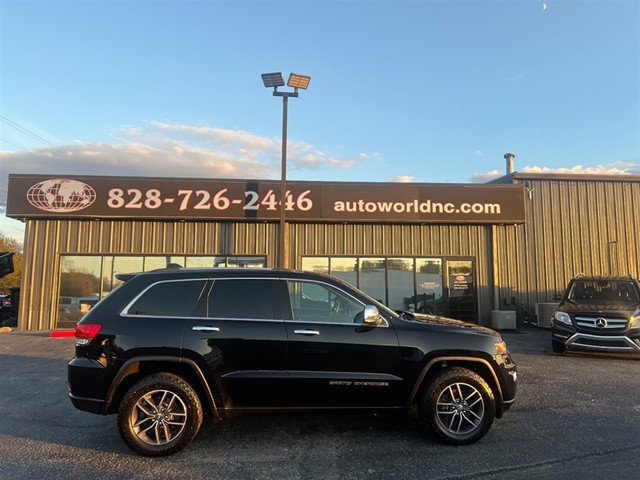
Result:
459,406
159,415
558,347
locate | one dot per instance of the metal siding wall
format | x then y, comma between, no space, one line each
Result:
49,239
571,226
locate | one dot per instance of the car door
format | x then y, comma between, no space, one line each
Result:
239,339
334,360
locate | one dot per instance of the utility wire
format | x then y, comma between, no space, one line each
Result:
28,132
14,145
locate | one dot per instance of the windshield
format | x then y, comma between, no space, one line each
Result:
602,291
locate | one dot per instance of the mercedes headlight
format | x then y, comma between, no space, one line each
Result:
634,320
562,317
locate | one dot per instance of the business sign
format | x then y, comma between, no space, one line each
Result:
34,196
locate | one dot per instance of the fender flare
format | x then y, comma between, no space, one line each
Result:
433,361
132,366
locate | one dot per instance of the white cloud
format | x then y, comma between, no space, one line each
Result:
403,179
616,168
172,150
483,177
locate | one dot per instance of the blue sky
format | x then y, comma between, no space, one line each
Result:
402,90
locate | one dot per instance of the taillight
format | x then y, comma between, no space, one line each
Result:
85,332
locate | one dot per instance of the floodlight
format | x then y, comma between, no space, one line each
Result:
297,80
274,80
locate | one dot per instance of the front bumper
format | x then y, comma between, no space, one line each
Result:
598,343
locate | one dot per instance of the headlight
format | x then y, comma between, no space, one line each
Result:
634,320
501,348
562,317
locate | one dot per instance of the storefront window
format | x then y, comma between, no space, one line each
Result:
155,262
85,279
204,262
345,268
246,262
79,288
112,266
400,287
437,286
429,290
372,278
315,264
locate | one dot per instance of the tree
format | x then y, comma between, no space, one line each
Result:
8,244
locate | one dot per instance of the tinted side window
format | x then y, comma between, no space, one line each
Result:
169,299
315,302
243,298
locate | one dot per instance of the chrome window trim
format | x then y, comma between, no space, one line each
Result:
125,311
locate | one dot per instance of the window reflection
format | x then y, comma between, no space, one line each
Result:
438,286
372,278
429,288
79,288
112,266
315,302
155,262
400,283
345,268
247,262
315,264
204,262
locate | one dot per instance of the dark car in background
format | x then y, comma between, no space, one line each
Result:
9,308
167,347
598,313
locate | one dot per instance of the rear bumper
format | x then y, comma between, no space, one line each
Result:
86,378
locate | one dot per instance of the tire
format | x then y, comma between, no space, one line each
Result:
159,415
458,406
558,347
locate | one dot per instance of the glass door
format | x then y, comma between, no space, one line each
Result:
461,290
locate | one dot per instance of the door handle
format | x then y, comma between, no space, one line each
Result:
202,328
306,332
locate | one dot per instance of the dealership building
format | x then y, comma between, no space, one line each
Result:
496,254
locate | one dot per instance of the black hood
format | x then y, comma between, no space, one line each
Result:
450,323
571,307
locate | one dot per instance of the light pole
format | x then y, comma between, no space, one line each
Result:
296,81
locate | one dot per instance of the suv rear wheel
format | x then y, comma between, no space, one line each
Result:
458,406
159,415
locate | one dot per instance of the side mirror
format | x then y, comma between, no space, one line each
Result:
372,316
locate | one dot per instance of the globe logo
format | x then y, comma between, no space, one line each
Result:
61,195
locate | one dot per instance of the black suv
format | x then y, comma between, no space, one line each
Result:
598,313
168,346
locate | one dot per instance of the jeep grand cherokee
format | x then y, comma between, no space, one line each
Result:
168,346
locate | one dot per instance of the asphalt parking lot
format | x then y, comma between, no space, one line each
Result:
576,416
